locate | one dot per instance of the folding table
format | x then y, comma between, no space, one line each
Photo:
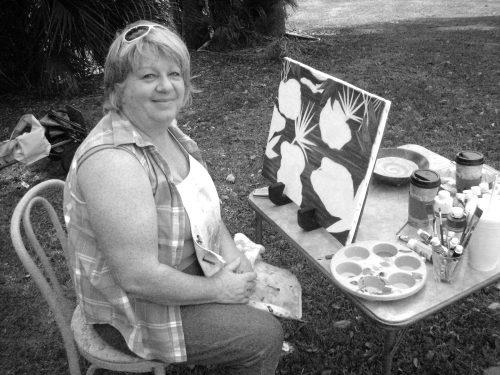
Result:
384,213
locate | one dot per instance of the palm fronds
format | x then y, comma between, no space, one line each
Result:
303,128
54,43
350,104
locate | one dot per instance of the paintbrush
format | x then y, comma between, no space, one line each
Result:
441,232
464,240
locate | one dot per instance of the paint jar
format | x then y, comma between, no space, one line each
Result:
456,221
424,185
469,168
443,202
484,244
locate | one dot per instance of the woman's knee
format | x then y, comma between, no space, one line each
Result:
269,332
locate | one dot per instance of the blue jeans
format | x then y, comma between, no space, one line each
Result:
239,338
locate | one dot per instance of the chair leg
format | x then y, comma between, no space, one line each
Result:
92,369
159,370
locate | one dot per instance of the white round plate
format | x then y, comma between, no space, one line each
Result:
395,165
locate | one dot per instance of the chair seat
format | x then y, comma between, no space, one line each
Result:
98,351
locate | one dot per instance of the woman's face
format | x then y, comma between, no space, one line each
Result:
153,94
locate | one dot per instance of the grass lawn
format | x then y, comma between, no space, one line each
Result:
443,78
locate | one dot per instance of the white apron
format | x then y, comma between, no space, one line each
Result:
201,202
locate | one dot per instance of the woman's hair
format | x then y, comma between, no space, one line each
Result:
124,57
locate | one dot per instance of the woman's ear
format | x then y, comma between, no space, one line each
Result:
117,94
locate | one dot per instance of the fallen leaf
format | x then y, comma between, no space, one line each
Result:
312,349
494,306
492,371
415,362
342,324
230,178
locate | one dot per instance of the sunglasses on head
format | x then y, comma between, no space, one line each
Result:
139,31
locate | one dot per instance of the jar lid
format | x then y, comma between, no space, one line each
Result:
425,178
457,212
444,194
435,241
469,158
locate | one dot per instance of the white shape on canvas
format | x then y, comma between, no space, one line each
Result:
335,131
292,165
333,184
289,98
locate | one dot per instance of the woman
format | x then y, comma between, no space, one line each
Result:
153,263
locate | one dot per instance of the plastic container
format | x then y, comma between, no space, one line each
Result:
484,245
443,202
456,220
469,167
458,251
454,242
424,185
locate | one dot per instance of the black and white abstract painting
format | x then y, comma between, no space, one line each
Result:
322,145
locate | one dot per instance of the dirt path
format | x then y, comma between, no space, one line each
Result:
320,14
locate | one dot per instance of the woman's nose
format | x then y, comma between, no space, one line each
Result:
164,83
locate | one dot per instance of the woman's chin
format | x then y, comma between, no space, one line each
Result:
165,118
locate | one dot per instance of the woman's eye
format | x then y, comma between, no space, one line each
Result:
148,76
175,74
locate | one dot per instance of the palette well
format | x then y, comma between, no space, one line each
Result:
379,271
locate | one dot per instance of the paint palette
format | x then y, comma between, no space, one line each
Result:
379,271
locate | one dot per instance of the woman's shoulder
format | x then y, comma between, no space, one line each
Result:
117,164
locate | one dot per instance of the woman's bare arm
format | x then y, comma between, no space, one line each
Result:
230,252
123,216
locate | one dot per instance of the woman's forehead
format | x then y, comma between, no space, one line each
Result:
156,62
150,59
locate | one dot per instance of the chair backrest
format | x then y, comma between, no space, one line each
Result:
49,286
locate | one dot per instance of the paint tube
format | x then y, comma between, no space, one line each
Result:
425,236
418,246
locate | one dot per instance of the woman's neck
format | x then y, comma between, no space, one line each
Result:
152,132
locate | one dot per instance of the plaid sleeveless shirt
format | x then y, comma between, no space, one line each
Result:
151,331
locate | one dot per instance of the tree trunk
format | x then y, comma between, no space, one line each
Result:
194,23
274,22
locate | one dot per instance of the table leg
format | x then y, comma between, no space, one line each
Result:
258,228
393,338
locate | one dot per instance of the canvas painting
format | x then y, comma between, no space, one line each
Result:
322,145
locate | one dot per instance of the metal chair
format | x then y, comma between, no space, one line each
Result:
70,322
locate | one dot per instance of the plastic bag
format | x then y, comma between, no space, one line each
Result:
277,290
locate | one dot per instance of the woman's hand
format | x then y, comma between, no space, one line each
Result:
234,287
